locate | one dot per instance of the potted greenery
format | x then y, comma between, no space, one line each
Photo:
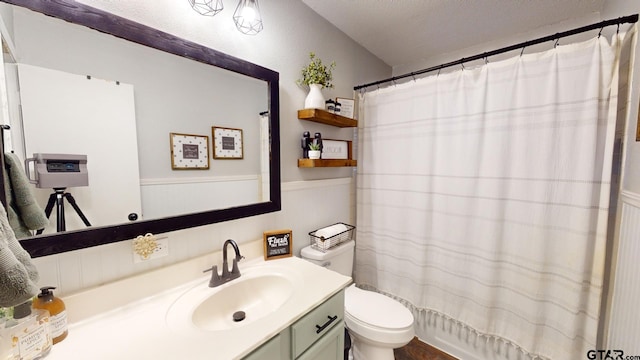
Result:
317,76
314,151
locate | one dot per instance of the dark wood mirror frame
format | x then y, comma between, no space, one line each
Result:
105,22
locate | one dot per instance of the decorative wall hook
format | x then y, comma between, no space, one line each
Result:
145,245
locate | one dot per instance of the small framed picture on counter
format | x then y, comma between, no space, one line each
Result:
278,244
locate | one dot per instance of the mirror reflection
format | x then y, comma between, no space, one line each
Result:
123,106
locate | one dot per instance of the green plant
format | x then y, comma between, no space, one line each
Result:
317,73
314,146
6,312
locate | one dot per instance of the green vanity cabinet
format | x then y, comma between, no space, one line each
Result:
330,346
318,335
278,347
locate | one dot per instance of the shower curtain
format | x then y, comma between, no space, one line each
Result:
483,197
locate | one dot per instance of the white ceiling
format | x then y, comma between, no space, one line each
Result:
401,32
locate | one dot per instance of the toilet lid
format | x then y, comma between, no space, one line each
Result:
376,309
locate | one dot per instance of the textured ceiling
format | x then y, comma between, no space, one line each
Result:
401,32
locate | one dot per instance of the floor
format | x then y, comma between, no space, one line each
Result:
417,350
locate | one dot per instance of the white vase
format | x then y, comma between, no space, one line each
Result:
314,154
314,99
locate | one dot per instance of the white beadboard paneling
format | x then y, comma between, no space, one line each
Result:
50,277
306,206
169,197
69,271
624,329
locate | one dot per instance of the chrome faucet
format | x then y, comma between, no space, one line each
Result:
216,279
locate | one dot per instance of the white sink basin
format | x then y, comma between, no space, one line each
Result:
257,293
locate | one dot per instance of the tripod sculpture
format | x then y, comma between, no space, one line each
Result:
57,199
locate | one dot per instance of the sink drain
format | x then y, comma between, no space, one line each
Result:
239,316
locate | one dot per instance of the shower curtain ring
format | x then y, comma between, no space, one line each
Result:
600,32
522,51
556,43
413,75
618,29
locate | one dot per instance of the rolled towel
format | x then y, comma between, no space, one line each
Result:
330,231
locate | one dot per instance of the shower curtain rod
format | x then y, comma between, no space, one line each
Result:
621,20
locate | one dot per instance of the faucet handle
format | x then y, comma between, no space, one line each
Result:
235,270
216,279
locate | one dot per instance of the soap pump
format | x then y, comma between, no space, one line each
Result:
57,310
26,335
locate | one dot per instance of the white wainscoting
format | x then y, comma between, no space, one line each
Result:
624,328
306,206
169,197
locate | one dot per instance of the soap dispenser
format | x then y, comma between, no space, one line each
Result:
57,312
26,336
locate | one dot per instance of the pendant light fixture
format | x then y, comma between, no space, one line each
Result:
207,7
247,17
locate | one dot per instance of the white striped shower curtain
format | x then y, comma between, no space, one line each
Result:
483,196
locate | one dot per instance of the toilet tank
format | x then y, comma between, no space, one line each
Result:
339,258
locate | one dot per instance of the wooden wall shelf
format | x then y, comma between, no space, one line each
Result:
314,163
325,117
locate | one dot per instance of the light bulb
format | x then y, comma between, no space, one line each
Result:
247,17
248,14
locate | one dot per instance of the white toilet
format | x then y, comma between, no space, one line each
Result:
376,323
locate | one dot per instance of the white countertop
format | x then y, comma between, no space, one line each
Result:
139,330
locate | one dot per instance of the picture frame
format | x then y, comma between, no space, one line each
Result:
227,143
189,151
346,107
336,149
278,244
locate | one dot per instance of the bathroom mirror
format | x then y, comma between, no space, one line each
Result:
261,156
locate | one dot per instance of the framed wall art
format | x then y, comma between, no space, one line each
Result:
189,152
346,107
227,143
336,149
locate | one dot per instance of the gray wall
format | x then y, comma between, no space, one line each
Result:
291,31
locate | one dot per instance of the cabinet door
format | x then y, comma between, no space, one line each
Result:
318,322
270,350
329,347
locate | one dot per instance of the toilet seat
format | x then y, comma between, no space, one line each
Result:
377,317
